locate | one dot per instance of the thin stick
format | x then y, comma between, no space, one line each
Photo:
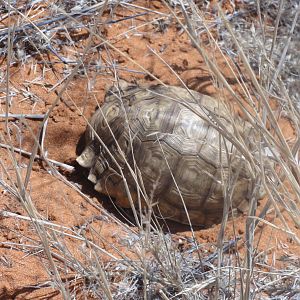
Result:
23,116
8,214
38,157
42,137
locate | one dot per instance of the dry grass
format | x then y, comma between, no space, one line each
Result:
262,58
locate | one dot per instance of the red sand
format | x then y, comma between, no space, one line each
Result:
57,202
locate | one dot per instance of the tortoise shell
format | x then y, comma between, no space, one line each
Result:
164,144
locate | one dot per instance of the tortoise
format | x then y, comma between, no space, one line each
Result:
162,146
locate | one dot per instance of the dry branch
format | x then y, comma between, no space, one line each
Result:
38,157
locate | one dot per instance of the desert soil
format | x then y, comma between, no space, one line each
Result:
23,272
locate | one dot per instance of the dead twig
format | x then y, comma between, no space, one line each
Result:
38,157
23,116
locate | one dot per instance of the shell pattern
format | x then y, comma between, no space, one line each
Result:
166,142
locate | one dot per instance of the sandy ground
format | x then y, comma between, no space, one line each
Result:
22,271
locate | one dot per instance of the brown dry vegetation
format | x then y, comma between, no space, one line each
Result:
58,237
